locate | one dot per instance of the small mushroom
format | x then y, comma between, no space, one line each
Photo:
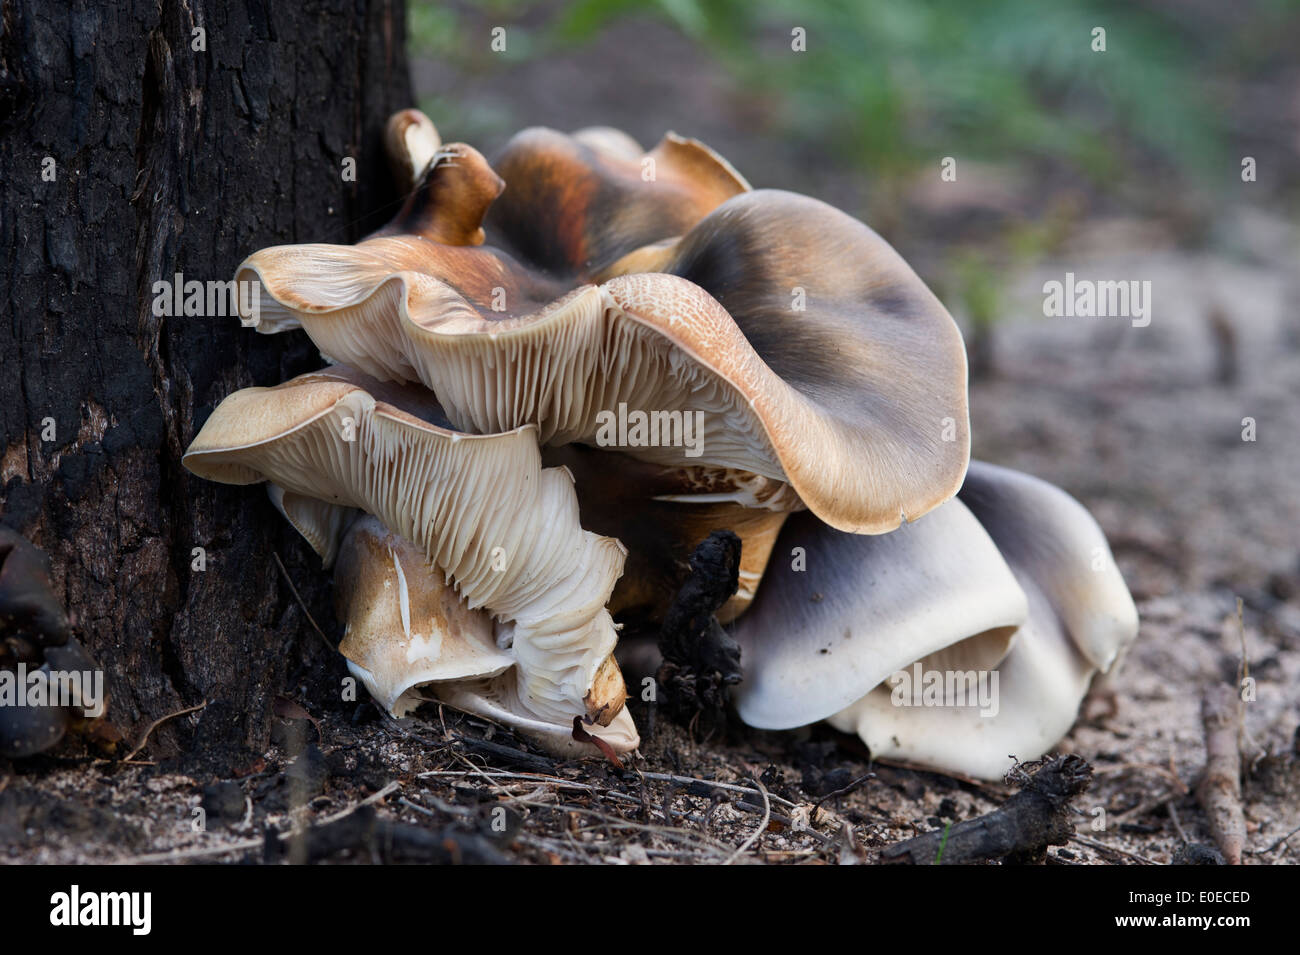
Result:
480,508
1045,615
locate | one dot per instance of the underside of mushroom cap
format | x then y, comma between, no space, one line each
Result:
409,638
320,523
662,514
403,623
480,507
838,613
805,346
860,408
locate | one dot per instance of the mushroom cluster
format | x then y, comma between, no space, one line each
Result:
551,377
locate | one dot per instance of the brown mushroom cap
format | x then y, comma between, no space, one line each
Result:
576,204
857,400
404,626
481,508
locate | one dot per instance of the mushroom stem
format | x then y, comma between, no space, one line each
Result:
450,199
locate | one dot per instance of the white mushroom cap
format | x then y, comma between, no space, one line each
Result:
480,507
837,618
1045,533
1078,612
1039,687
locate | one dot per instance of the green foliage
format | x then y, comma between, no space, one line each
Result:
897,83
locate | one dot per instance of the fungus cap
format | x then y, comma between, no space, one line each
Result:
802,344
481,508
409,637
838,613
1073,612
403,624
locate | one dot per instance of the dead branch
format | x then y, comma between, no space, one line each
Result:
1219,791
1018,831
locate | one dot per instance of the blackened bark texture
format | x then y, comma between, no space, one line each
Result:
171,151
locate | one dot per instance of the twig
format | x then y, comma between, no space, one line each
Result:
298,597
508,754
1102,847
731,787
1173,815
1019,831
845,791
1275,846
178,855
1219,792
762,826
144,738
372,798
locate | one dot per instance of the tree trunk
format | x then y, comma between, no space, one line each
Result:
141,140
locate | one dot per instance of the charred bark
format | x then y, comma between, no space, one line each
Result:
139,140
